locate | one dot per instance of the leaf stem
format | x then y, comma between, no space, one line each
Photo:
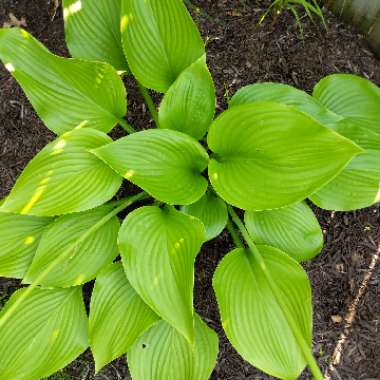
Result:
235,237
149,102
255,258
120,206
126,126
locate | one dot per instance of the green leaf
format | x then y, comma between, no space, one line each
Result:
284,94
268,155
118,316
158,248
160,40
64,177
212,211
88,252
163,353
92,30
294,229
64,92
47,331
189,104
357,100
166,164
19,238
251,317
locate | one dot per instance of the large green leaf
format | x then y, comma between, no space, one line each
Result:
118,316
47,331
160,40
166,164
212,211
19,238
85,253
64,92
294,229
158,249
268,155
163,353
285,94
92,30
64,177
357,100
189,104
251,316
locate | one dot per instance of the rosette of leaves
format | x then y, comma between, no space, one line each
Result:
274,148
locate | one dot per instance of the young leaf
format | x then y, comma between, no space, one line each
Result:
118,316
158,248
357,100
212,211
47,332
189,104
86,250
284,94
160,40
163,353
294,229
92,30
166,164
64,92
19,238
268,155
251,317
64,177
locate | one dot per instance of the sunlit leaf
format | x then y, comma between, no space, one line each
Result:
118,316
357,100
189,104
160,40
294,229
251,316
83,250
212,211
158,249
64,177
47,331
166,164
268,155
92,30
64,92
19,238
284,94
163,353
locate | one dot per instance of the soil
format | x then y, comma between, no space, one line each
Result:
239,53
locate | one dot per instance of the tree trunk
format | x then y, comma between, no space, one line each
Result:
364,14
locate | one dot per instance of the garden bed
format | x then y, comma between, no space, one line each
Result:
345,276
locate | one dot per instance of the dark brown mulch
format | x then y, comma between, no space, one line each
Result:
239,53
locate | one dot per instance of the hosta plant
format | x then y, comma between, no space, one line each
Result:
254,170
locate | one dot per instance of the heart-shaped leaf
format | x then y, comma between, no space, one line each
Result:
166,164
19,238
160,40
82,248
254,322
189,104
357,100
64,177
64,92
211,211
47,331
163,353
92,30
268,155
158,249
118,316
293,229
